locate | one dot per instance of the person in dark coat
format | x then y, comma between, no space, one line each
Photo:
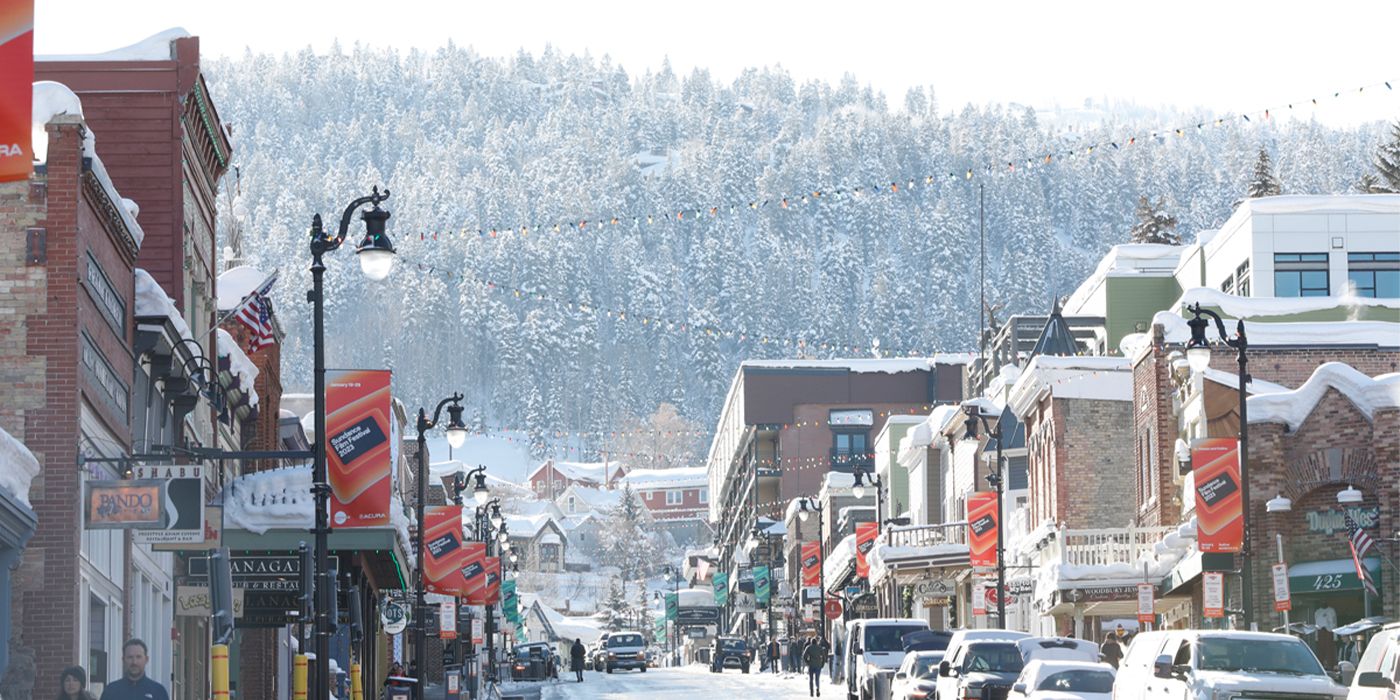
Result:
1111,651
576,654
795,653
814,656
72,684
774,655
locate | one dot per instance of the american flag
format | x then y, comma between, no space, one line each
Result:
255,313
1361,544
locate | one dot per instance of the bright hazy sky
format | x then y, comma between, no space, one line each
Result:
1224,55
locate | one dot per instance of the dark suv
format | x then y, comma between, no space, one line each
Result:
730,652
626,650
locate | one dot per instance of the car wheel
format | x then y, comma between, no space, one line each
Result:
644,669
610,668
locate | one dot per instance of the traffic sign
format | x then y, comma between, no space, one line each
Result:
1283,598
833,608
1146,612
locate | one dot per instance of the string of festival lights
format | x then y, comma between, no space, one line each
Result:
894,185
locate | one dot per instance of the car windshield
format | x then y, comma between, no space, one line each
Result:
625,640
926,666
731,644
998,657
1078,681
888,637
1288,656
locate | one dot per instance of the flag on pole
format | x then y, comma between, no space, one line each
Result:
255,314
1361,544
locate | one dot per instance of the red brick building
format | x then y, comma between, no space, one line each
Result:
549,480
672,494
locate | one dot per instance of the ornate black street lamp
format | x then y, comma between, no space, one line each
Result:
456,436
1198,357
376,254
992,424
674,577
858,490
805,507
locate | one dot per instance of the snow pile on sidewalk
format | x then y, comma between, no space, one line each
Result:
1292,407
238,364
281,499
18,467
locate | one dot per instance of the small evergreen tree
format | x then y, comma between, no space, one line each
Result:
1154,224
1264,183
1386,179
614,614
642,613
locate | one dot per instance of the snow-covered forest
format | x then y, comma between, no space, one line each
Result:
468,143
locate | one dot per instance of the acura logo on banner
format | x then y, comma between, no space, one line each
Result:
982,528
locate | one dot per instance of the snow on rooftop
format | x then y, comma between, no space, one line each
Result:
151,300
236,283
1232,380
839,558
521,525
1314,203
239,364
892,365
595,472
280,499
922,435
1292,407
1089,378
1252,307
1294,333
1123,260
596,499
18,467
645,479
52,99
156,47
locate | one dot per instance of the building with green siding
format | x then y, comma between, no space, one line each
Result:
893,475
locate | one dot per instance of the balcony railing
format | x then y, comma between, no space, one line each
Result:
925,535
1110,546
849,463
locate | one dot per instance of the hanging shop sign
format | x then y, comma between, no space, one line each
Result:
1283,598
833,608
1215,464
445,555
182,498
935,588
194,601
982,528
262,609
256,572
1334,520
1147,613
1213,594
358,456
394,617
695,615
123,505
866,533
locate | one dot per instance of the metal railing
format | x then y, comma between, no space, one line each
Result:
925,535
1101,547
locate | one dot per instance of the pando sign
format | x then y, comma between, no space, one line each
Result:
123,505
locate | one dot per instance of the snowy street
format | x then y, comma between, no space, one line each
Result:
687,681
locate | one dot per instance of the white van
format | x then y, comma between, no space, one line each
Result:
1209,664
874,648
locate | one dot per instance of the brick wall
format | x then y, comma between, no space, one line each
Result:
1093,463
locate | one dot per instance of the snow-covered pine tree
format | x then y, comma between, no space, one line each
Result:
1264,184
614,614
1387,176
1154,224
641,612
624,541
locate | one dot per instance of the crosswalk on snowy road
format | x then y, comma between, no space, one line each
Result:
686,682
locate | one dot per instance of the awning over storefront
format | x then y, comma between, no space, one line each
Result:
908,564
378,546
1330,576
1191,567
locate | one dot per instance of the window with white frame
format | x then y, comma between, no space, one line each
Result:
704,495
675,497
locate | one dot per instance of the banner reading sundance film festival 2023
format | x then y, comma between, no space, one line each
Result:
811,563
1215,464
358,457
445,553
982,528
473,571
721,582
16,89
866,533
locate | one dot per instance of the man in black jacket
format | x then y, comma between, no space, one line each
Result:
576,659
814,656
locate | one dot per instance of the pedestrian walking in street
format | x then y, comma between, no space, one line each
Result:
814,656
576,654
774,655
72,684
134,685
795,653
1111,651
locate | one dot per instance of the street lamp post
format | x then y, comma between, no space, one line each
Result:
456,435
806,507
992,424
674,578
1279,504
858,490
1198,357
376,254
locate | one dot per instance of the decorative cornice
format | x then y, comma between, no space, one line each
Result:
111,215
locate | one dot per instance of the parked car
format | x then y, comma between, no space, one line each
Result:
1063,680
730,652
915,678
1219,664
597,654
1058,649
533,662
875,647
653,658
960,639
980,669
1378,671
626,650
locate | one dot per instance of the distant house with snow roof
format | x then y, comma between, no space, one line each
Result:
577,499
538,540
553,476
672,493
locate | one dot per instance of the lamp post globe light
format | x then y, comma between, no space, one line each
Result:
456,430
991,422
1198,357
806,506
376,254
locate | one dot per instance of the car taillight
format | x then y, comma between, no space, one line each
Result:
917,695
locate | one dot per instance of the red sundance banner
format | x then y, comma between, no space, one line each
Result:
473,570
1215,465
811,563
16,88
866,534
490,591
982,528
444,554
358,458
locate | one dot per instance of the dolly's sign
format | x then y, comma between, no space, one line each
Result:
121,505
